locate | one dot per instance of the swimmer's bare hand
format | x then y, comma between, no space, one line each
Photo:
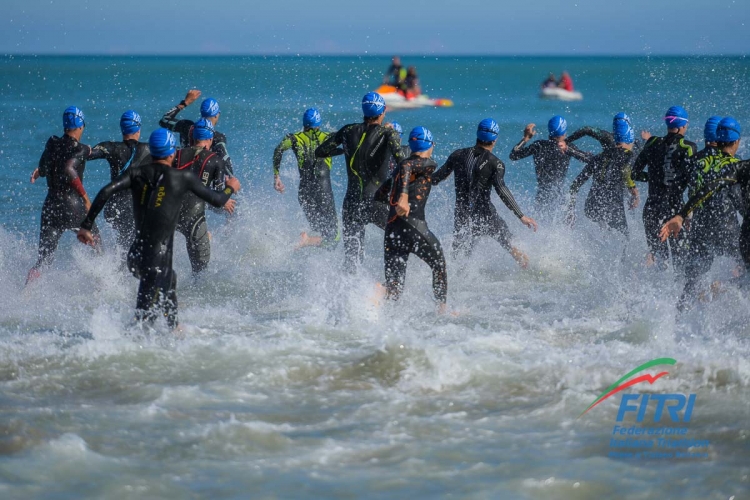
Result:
529,131
635,198
277,184
645,135
34,175
529,222
233,183
85,237
192,96
229,206
672,228
402,206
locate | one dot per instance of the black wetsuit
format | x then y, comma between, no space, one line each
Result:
367,148
670,162
210,169
62,164
407,235
121,156
315,194
714,228
185,129
477,171
158,192
551,166
610,169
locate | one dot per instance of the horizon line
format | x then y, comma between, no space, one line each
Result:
362,55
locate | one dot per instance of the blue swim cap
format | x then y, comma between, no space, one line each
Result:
398,128
488,130
676,117
203,130
622,129
311,118
161,143
557,126
420,139
373,104
709,131
210,108
73,118
130,122
729,130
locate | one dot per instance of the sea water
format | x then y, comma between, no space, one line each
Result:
291,379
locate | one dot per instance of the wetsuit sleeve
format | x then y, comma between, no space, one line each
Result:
328,148
641,162
519,151
170,121
445,171
403,186
601,136
706,192
581,179
394,143
215,198
579,155
284,145
503,192
100,151
220,147
71,175
121,183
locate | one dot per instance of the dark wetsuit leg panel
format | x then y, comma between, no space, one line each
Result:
461,230
197,242
493,226
320,211
354,219
157,289
403,238
59,214
656,212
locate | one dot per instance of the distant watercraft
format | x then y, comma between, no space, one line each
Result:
560,94
396,100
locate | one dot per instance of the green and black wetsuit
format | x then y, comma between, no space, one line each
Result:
121,156
315,194
670,161
62,164
367,148
477,171
551,165
610,170
207,166
407,235
714,228
185,129
158,193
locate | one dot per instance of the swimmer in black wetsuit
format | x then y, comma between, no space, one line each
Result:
670,161
158,192
205,164
714,228
62,164
211,112
551,160
367,149
610,170
121,156
315,194
407,231
477,171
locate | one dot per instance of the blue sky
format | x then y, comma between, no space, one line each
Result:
524,27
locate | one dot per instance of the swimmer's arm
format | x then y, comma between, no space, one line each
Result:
75,182
329,146
520,151
579,155
444,172
278,153
394,144
121,183
504,193
215,198
581,179
705,193
98,152
220,148
43,168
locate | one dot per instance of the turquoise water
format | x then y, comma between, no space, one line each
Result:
290,381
